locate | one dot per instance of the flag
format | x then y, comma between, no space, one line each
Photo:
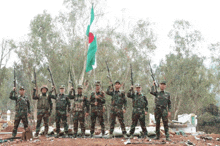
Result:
91,55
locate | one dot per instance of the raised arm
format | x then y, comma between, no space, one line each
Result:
153,90
130,93
72,94
12,95
34,96
109,91
51,95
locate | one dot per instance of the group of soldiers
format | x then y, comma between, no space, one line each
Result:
81,107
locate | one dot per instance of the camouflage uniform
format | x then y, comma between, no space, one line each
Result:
140,104
117,101
80,102
44,109
97,110
162,101
62,101
22,108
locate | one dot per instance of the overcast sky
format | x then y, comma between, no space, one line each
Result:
202,14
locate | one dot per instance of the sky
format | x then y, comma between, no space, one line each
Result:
202,14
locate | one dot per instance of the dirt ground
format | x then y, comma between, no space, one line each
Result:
177,140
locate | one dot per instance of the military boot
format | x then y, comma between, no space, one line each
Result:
36,135
157,138
56,135
110,136
91,135
131,136
75,135
168,139
83,135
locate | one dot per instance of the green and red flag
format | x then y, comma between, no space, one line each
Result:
91,55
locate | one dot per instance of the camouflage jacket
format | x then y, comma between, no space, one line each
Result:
62,101
22,103
139,100
44,102
100,101
118,98
80,102
162,98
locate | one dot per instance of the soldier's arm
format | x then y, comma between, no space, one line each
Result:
153,90
86,104
12,95
72,94
68,104
103,98
35,97
109,91
130,94
146,104
169,104
125,101
51,95
29,109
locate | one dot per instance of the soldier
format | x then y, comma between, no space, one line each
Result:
62,101
162,101
140,109
97,102
80,102
117,101
22,109
44,108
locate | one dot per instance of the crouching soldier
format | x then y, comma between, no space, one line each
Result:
44,109
140,109
22,109
80,102
62,102
97,102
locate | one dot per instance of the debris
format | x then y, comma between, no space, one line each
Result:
218,139
189,143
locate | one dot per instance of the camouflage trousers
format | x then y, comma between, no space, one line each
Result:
161,113
117,113
18,117
94,114
42,114
138,114
61,115
79,116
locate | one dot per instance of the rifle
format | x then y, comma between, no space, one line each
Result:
35,82
14,80
132,82
53,84
152,75
109,75
71,79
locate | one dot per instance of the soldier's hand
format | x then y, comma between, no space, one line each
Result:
67,115
72,88
96,96
53,88
145,113
29,115
169,114
124,111
86,114
154,83
14,88
96,103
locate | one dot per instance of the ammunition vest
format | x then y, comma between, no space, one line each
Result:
21,104
118,99
43,102
139,101
61,102
78,103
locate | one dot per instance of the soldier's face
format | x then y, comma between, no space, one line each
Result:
21,92
62,90
162,86
44,90
97,87
79,90
138,89
117,85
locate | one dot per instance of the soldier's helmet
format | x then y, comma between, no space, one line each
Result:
22,88
79,87
97,83
44,86
117,81
137,85
62,87
163,82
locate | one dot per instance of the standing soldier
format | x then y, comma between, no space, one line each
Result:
97,102
62,101
80,102
44,108
22,109
162,101
140,109
117,102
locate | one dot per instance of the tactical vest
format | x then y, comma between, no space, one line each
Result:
162,99
21,104
96,100
139,101
61,102
43,102
78,103
118,99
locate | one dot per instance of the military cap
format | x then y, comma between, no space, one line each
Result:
137,85
117,81
79,87
163,82
97,83
44,86
62,86
21,88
